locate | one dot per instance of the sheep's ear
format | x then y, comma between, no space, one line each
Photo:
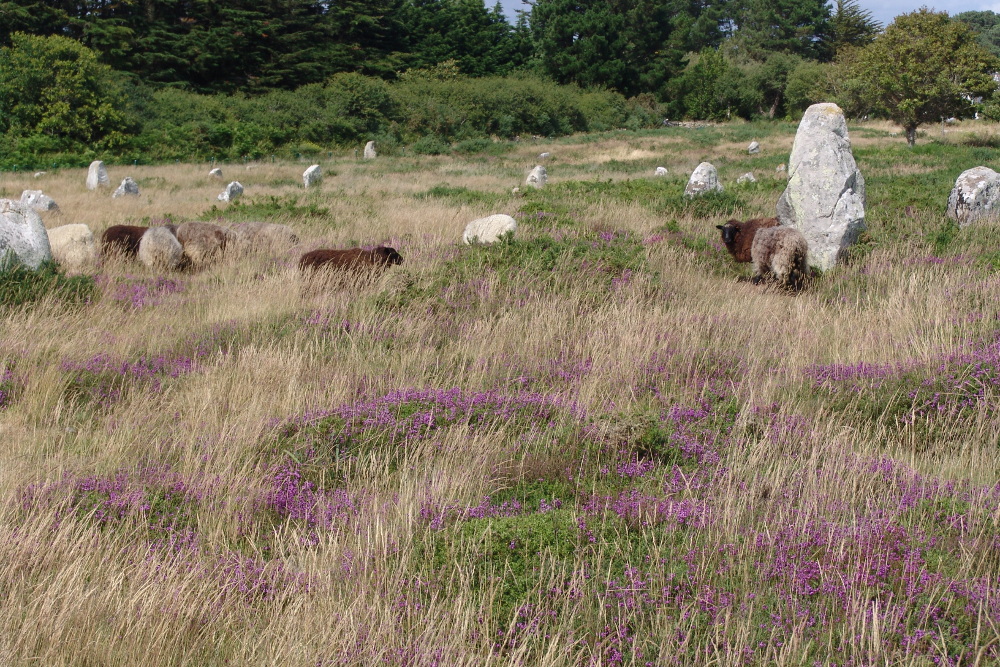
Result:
720,226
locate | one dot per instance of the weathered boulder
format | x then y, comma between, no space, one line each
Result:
753,148
705,178
825,197
128,188
537,178
370,153
269,236
38,200
976,195
489,229
159,249
312,176
39,174
216,173
97,175
203,242
23,238
544,156
660,171
233,191
73,247
746,178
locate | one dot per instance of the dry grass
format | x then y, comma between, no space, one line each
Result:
258,587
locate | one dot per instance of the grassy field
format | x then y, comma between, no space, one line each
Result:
596,444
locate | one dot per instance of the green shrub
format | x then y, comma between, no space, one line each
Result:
20,286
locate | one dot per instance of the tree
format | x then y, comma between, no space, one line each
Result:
852,26
987,27
54,92
798,27
924,68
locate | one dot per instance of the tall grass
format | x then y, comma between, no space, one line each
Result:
595,444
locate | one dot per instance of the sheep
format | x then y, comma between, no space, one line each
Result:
353,259
73,247
738,236
782,251
203,241
122,238
160,249
270,236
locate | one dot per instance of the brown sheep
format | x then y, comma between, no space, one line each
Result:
122,238
782,251
352,259
738,236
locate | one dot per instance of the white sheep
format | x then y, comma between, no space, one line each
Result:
782,251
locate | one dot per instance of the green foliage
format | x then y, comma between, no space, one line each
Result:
430,145
986,24
56,96
921,70
800,27
20,286
851,25
270,207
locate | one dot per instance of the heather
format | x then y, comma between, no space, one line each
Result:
593,443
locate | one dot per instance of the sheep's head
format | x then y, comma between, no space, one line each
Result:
730,231
388,255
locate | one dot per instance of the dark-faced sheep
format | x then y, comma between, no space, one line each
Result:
354,259
123,239
782,251
738,236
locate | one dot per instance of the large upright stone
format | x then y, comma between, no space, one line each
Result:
312,176
97,175
705,178
976,195
23,237
233,191
370,153
128,188
38,200
489,229
825,197
537,178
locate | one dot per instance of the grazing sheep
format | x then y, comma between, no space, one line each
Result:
203,242
122,238
738,236
249,236
353,259
73,247
160,249
782,251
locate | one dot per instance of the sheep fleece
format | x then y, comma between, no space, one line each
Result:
781,250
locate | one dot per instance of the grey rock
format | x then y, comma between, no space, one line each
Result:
312,176
537,178
753,148
23,238
660,171
128,188
159,249
39,174
216,173
976,195
544,156
705,178
746,178
233,191
489,229
370,153
38,200
825,196
97,176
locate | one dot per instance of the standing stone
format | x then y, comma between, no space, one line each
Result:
825,197
312,176
537,178
976,195
370,153
489,229
128,187
38,200
753,148
232,192
97,175
705,178
746,178
22,236
216,173
661,171
73,247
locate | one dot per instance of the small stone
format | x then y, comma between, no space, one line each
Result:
544,156
489,229
97,175
128,188
780,167
370,153
537,178
705,178
746,178
976,195
660,171
753,148
233,191
312,176
216,173
39,201
39,174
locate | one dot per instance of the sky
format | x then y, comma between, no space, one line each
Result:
883,12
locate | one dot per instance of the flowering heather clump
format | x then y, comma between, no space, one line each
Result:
329,323
140,292
8,383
